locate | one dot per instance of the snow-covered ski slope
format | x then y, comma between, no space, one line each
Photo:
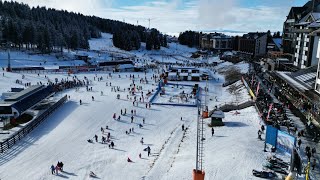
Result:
231,153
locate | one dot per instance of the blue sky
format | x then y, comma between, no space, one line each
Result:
174,16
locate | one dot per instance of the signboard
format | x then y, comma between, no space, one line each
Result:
271,136
285,142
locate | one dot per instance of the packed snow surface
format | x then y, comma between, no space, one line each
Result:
231,153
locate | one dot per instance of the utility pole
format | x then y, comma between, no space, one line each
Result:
9,59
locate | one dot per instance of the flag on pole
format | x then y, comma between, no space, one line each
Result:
258,87
270,107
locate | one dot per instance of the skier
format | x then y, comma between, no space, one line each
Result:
112,144
121,111
80,102
149,150
212,131
182,127
96,137
119,118
52,169
89,140
114,116
92,98
129,160
92,174
140,155
143,120
141,141
131,119
102,131
140,126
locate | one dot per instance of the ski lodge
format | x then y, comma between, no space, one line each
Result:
183,74
18,103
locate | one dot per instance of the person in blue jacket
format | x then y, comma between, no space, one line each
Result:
52,169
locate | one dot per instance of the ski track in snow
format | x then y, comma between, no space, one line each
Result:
164,161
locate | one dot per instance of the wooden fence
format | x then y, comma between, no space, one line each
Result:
7,144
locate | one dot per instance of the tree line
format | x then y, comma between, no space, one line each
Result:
48,30
189,38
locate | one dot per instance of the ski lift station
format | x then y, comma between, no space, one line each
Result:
185,74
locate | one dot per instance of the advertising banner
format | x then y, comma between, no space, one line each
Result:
285,142
271,136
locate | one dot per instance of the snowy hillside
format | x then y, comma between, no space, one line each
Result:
63,136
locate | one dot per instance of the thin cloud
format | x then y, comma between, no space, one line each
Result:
179,15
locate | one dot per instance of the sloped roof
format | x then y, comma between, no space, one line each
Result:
306,19
217,114
303,79
254,35
277,42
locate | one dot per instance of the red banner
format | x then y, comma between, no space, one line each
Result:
258,87
270,107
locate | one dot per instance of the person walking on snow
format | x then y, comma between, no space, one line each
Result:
52,169
212,131
57,170
96,138
314,164
259,134
299,143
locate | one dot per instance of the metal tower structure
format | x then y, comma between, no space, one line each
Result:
200,134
